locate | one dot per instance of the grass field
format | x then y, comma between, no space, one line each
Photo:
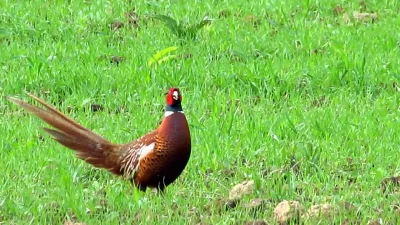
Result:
300,96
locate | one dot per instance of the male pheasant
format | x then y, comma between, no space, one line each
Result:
154,160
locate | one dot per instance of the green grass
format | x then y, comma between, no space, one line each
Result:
267,85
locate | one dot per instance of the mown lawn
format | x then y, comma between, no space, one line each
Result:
300,96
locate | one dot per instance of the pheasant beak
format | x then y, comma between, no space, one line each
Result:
175,95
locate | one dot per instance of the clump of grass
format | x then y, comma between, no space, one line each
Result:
182,31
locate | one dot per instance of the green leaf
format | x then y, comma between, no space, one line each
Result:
183,31
193,29
166,58
170,23
160,56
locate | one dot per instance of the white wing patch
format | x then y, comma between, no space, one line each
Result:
143,151
131,163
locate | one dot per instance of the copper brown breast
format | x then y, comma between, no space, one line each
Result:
171,153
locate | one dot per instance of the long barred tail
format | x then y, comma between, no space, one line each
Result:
88,146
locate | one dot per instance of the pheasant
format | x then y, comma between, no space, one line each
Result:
153,161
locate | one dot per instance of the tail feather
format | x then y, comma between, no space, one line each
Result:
69,121
67,141
89,146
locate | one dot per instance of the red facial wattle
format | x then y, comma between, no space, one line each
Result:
170,99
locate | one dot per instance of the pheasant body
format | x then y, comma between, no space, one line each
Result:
154,160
